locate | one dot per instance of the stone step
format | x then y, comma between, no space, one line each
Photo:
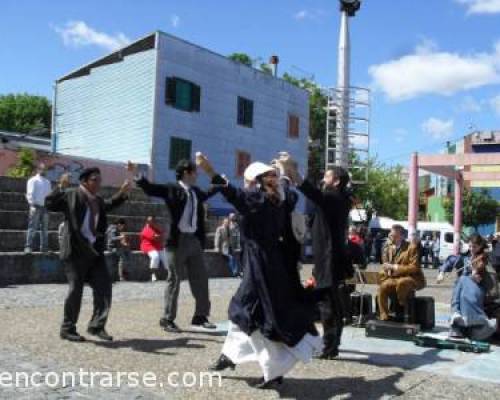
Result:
14,240
12,201
18,220
18,268
18,185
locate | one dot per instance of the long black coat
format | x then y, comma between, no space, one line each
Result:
72,204
270,297
331,259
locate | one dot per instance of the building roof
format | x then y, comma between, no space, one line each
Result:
146,43
16,139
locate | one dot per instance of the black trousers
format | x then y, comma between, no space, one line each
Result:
333,309
95,272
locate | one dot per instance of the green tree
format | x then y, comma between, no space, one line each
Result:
242,58
478,208
25,164
386,192
25,113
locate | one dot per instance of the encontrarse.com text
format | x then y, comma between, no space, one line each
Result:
91,379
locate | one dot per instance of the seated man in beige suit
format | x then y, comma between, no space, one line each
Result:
401,272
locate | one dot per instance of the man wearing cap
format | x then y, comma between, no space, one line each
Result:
186,241
82,248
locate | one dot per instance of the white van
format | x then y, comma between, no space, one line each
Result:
443,230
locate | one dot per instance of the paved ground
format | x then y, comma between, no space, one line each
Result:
366,369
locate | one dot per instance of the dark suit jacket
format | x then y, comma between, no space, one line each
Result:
175,198
72,204
331,260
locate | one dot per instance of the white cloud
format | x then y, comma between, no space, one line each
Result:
438,129
430,71
302,14
470,105
481,6
78,34
309,14
495,104
175,20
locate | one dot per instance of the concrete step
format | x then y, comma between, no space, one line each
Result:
18,185
14,240
12,201
18,220
18,268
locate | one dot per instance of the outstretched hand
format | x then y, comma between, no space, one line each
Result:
126,186
203,163
131,167
64,181
289,167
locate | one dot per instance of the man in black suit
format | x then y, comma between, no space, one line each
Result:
332,264
185,244
82,249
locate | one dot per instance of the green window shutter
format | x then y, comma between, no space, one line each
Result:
195,97
183,95
241,111
245,112
249,113
180,149
170,90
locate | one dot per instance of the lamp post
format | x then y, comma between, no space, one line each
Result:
348,8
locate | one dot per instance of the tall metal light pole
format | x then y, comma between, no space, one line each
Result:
348,8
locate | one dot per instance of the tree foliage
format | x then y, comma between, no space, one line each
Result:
25,164
25,113
386,192
242,58
478,208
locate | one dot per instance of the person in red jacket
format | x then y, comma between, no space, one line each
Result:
153,244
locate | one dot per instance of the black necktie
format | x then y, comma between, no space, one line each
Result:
191,208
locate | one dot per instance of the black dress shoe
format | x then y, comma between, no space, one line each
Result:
262,384
73,336
169,326
222,363
331,354
202,322
100,333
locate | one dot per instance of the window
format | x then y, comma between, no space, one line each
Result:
448,237
293,126
182,94
245,112
180,149
243,160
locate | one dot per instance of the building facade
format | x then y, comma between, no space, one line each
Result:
475,142
161,99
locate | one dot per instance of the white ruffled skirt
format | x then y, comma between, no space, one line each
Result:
274,358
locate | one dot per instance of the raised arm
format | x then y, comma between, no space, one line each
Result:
56,201
117,199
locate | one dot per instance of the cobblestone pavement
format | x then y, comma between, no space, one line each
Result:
29,342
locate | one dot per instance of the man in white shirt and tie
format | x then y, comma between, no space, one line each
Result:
185,243
37,189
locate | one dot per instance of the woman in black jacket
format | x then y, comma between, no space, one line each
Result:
272,319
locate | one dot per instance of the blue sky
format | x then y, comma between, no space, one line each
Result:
433,66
